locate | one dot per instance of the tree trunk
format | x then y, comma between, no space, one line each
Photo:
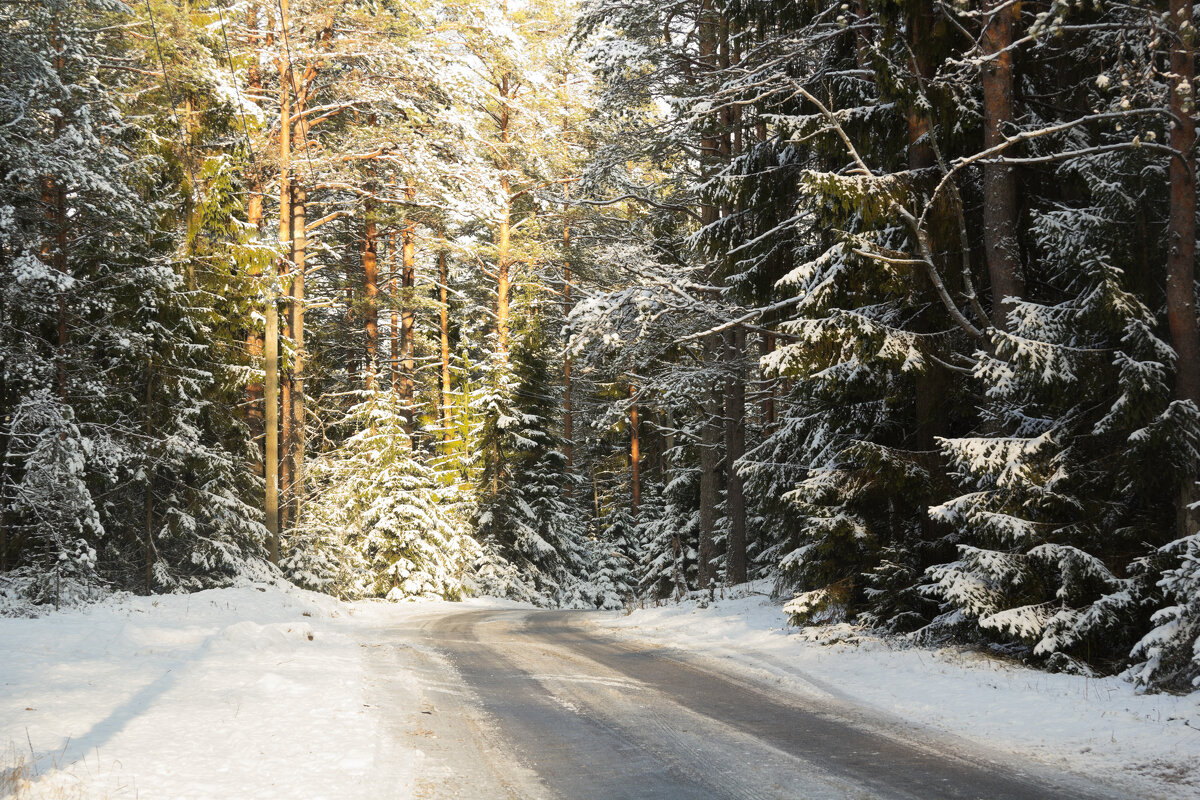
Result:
5,443
296,323
1000,234
710,461
254,341
148,505
55,197
735,343
767,385
1181,232
54,254
931,384
371,310
504,234
271,334
920,33
635,451
735,448
271,419
408,321
254,216
568,416
444,327
1181,311
396,348
285,427
710,434
502,272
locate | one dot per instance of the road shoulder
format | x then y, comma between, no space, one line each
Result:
1100,728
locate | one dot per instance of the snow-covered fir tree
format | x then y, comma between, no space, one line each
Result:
375,524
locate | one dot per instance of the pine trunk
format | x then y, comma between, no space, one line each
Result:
296,445
371,305
285,437
568,416
271,333
504,234
710,463
54,253
930,385
254,342
502,274
767,384
735,340
1181,233
444,329
148,499
1000,234
735,448
635,450
254,216
408,321
394,329
710,434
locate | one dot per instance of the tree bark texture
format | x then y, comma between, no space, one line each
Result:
296,445
444,330
408,320
1000,207
371,300
635,450
568,413
710,434
735,448
1181,233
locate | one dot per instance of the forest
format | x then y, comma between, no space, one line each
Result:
596,303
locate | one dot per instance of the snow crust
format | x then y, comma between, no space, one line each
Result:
1101,727
255,691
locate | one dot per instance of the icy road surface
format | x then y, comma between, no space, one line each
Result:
520,704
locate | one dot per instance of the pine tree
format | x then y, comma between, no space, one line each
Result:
376,525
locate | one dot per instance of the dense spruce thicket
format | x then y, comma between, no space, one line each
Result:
890,302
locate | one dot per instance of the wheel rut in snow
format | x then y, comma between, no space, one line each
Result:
597,719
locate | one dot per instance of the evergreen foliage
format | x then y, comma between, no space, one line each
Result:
376,525
893,299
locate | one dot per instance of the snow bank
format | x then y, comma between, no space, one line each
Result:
1099,727
247,692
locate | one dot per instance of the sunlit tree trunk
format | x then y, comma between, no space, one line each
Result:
296,445
635,450
395,350
504,233
271,333
408,319
371,290
254,338
254,216
444,329
568,415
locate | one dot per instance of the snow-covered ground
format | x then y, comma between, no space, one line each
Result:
247,692
275,692
1098,727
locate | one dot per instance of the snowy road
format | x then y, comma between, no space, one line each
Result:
531,704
